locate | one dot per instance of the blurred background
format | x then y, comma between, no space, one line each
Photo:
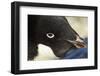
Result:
79,24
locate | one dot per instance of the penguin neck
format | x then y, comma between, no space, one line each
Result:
45,53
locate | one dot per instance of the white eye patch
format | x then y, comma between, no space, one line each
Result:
50,35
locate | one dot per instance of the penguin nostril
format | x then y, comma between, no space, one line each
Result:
50,35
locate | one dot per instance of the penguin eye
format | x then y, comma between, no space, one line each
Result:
50,35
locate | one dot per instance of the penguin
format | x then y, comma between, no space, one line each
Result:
54,32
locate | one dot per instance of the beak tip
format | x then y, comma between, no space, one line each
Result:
78,44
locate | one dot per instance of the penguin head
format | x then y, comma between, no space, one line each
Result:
56,32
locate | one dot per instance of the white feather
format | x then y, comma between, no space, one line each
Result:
45,53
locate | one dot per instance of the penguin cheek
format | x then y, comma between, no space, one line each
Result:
60,48
59,54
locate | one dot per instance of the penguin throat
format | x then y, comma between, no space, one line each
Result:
45,53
